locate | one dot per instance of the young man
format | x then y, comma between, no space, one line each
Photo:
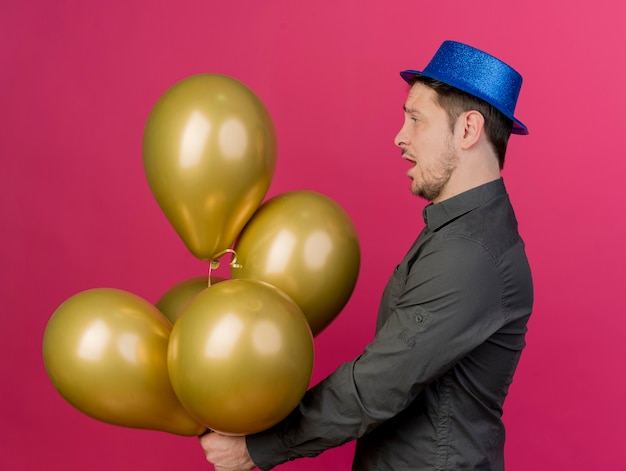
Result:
427,393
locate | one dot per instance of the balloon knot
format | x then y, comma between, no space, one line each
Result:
215,263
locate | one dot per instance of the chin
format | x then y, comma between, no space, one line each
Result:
417,191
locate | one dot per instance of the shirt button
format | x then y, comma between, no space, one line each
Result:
419,318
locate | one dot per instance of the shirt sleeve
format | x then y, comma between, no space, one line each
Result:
442,307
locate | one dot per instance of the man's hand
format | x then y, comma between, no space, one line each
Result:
226,453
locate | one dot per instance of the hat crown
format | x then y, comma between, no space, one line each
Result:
477,73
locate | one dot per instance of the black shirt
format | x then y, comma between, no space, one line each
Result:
427,393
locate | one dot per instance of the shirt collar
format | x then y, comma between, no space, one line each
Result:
438,214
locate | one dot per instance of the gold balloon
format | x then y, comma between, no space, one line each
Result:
105,351
209,154
174,299
305,244
240,356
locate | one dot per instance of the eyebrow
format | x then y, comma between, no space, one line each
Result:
410,110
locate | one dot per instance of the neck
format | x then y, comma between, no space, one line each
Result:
472,170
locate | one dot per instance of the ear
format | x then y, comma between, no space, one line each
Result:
473,127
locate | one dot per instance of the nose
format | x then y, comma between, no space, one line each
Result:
400,139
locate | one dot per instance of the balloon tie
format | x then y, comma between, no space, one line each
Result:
215,263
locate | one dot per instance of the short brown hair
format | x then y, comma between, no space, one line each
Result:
454,101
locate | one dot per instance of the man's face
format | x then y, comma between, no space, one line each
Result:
426,141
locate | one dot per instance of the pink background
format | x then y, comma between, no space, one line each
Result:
78,80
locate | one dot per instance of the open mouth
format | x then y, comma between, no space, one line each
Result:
410,159
406,156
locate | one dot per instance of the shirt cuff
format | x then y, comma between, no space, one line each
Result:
266,449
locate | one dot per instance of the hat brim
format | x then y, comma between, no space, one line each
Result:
518,126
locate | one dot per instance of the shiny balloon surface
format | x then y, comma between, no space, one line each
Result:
305,244
209,154
105,351
174,299
240,356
